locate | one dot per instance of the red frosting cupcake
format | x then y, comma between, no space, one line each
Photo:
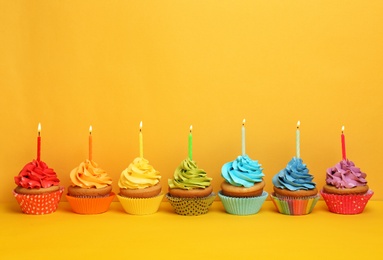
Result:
38,191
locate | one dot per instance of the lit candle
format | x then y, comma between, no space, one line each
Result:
343,145
38,142
90,143
243,138
141,142
191,144
298,137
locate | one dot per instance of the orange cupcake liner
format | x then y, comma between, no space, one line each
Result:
90,205
39,204
140,206
346,204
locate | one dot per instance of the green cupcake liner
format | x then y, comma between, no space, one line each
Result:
242,206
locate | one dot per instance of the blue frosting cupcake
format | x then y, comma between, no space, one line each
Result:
242,189
295,193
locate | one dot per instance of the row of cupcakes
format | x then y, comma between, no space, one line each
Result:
190,191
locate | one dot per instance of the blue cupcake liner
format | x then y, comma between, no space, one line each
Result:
242,206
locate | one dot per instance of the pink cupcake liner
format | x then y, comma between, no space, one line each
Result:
141,206
191,206
346,204
39,204
294,206
90,205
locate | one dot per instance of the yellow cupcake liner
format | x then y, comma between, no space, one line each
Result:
140,206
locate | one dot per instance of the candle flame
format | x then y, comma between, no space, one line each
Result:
191,128
342,128
90,130
140,126
298,124
39,129
243,122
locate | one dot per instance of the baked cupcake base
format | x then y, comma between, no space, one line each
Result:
240,191
90,205
39,204
140,206
346,204
294,205
243,205
191,206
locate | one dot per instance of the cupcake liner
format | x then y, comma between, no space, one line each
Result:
242,206
39,204
294,205
346,204
90,205
141,206
191,206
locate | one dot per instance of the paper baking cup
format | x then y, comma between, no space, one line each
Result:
141,206
294,206
90,205
242,206
191,206
39,204
346,204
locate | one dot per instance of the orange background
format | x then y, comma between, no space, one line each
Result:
172,64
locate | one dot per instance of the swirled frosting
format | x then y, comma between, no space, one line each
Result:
242,172
294,177
36,175
88,175
345,175
139,175
187,176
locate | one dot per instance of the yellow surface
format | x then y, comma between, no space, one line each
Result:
172,64
216,235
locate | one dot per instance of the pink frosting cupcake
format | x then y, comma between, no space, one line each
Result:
346,190
38,191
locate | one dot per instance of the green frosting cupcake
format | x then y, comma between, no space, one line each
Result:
187,176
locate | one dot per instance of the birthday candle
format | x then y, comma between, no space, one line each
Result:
38,142
190,143
90,143
343,145
243,138
298,145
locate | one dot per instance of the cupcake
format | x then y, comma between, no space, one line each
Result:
294,191
38,191
346,190
190,191
242,189
91,189
140,188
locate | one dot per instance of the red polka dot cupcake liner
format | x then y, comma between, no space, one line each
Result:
346,204
191,206
39,204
